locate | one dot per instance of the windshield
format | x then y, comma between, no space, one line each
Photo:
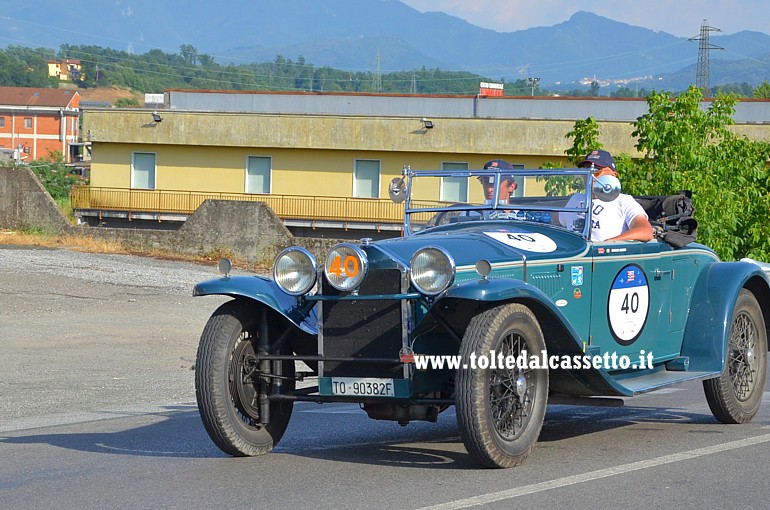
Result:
556,197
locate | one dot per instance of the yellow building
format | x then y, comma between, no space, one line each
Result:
66,69
171,159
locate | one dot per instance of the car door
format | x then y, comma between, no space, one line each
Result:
631,300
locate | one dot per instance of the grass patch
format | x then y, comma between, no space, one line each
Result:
88,244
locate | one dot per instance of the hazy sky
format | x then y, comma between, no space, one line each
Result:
678,17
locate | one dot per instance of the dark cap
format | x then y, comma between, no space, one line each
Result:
599,159
497,164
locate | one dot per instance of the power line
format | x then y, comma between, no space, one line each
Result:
702,78
377,76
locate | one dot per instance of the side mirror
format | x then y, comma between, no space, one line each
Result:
397,190
606,188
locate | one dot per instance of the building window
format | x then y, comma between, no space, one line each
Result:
258,174
454,189
143,170
366,178
28,123
2,122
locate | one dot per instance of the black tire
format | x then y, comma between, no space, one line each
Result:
228,404
500,412
735,396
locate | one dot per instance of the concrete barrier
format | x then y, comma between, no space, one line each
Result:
248,231
26,205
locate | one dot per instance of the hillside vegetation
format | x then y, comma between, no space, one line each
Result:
156,71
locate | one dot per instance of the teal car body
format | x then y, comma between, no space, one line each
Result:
363,315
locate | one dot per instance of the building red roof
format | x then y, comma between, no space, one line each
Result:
27,96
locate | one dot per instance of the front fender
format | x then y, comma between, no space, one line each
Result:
707,332
266,291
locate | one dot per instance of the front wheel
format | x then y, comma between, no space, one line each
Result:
735,396
500,411
228,384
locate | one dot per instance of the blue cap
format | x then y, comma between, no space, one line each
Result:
499,164
599,159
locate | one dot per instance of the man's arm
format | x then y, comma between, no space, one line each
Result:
640,230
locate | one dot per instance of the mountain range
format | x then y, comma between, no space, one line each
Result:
387,35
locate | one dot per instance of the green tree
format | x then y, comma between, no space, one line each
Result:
762,91
126,102
629,92
55,176
738,89
585,134
687,147
206,60
189,54
25,67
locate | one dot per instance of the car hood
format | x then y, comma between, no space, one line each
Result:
494,241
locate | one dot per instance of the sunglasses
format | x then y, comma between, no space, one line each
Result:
488,181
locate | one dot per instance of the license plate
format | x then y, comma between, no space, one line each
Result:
362,387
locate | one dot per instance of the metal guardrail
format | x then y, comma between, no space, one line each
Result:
299,207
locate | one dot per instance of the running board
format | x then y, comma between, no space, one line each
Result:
662,378
585,401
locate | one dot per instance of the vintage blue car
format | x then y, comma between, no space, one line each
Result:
491,306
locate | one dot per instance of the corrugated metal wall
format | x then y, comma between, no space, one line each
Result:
556,108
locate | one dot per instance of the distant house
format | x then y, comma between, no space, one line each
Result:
66,69
38,121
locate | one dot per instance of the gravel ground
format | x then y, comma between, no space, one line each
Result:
84,333
128,270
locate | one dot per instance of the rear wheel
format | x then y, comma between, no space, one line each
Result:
500,411
228,384
735,396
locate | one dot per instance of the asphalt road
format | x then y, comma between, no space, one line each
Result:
97,410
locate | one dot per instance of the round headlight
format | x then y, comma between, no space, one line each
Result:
432,270
345,266
294,270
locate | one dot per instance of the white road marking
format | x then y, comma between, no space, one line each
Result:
492,497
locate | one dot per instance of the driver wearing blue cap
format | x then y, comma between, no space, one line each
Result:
622,219
507,182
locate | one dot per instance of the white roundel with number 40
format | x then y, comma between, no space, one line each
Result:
528,241
628,304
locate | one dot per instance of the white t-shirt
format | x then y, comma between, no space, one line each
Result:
609,219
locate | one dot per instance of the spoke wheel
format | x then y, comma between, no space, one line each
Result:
735,396
500,410
228,385
244,381
511,392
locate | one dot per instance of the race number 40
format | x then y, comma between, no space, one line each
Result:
527,241
628,304
348,267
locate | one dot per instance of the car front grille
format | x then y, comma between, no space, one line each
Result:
363,328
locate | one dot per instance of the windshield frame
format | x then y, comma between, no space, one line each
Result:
586,173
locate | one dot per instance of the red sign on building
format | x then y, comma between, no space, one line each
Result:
490,89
